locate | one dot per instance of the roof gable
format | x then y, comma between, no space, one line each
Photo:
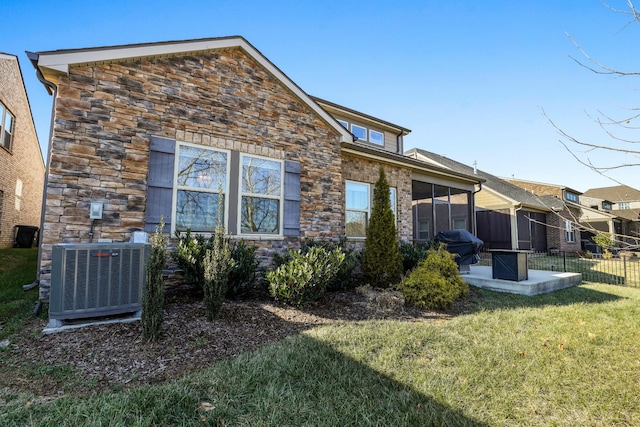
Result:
616,193
55,63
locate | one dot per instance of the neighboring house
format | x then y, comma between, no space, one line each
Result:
510,217
21,163
180,130
622,197
624,224
565,204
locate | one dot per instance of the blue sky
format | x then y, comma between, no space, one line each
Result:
469,78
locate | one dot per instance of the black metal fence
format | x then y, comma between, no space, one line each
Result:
619,270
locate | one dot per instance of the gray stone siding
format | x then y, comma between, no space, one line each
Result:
106,113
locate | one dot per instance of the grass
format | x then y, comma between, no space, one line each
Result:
571,357
17,268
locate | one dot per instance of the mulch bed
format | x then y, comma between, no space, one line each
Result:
114,355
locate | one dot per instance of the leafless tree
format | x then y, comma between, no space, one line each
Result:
616,129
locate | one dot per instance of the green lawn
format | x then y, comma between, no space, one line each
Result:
568,358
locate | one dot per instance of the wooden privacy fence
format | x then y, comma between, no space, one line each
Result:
619,270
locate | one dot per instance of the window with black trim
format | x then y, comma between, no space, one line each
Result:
6,127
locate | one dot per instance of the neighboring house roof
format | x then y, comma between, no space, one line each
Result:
415,164
616,193
542,187
628,214
54,63
510,191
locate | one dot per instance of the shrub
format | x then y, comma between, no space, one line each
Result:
344,277
217,265
413,253
242,276
153,296
190,253
435,283
381,258
305,276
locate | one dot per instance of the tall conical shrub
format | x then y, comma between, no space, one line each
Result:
381,257
153,296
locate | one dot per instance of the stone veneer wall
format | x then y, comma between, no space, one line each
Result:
106,113
24,163
362,170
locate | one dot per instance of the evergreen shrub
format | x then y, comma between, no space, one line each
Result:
435,283
304,277
153,295
381,258
217,264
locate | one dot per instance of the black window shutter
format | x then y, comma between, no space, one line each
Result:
291,198
162,154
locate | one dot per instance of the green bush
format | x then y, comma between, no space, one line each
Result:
217,265
304,277
242,276
381,258
189,256
435,283
413,253
153,296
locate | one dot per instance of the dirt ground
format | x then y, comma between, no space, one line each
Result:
113,356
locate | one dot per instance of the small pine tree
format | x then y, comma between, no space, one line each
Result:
218,263
381,257
153,297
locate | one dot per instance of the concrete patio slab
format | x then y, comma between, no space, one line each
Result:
539,282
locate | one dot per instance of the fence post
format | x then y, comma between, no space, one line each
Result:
564,261
624,266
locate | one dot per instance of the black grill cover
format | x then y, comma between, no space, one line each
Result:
463,243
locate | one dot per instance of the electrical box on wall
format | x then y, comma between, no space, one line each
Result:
96,211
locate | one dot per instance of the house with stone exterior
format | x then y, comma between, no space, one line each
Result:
196,130
21,163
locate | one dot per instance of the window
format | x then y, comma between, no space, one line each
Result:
201,183
6,127
623,205
569,231
359,132
358,210
460,224
572,197
261,188
344,124
606,205
376,137
423,230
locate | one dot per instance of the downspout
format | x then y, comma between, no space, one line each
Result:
398,141
53,90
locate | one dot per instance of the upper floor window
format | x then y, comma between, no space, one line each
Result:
6,127
359,132
572,197
261,198
623,205
606,205
201,184
376,137
344,124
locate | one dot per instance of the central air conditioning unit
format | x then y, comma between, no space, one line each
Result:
96,280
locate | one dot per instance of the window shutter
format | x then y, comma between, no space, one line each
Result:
160,183
291,198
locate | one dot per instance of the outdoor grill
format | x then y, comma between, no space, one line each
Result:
464,244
